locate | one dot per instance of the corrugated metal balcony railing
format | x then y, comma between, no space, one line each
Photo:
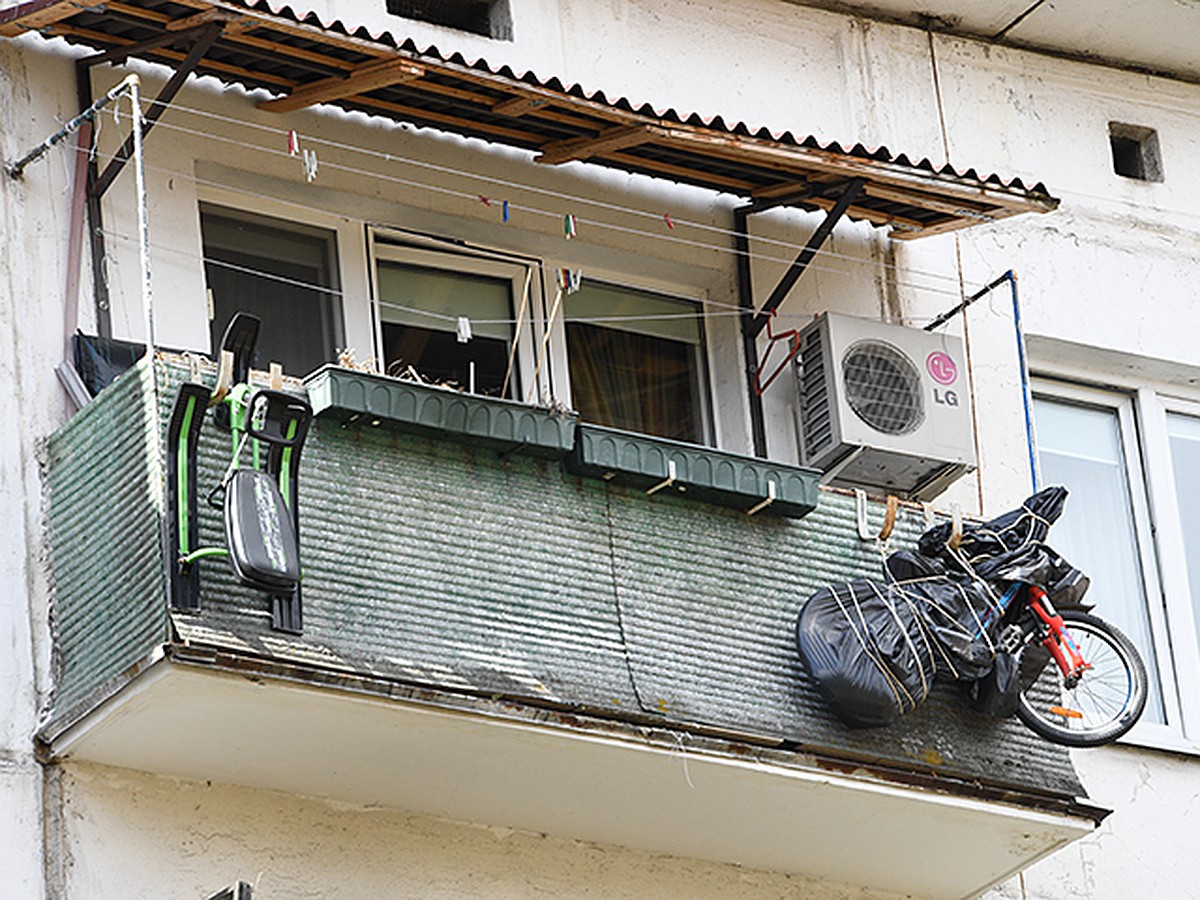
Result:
481,624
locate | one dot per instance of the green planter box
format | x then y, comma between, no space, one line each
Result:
502,425
727,479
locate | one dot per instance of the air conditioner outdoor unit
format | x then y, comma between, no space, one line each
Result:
884,407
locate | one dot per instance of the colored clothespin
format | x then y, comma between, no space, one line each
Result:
667,219
569,230
486,201
570,281
504,211
293,143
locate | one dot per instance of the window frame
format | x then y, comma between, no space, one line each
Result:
703,387
391,245
1141,416
352,293
559,355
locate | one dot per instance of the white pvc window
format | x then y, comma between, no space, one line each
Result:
428,300
636,361
1131,461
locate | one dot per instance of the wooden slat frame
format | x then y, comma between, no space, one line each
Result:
531,115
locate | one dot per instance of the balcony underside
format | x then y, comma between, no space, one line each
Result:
193,715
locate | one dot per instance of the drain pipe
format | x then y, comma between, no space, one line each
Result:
1022,360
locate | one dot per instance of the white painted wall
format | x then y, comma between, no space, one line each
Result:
138,836
1114,268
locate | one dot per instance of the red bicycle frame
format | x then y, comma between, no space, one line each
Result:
1057,640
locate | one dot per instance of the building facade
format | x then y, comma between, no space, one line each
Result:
518,676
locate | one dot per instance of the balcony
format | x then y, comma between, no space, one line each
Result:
500,633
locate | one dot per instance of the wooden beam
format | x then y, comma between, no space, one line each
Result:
799,160
370,77
38,14
583,147
874,216
239,23
233,22
680,173
519,106
420,116
934,204
951,225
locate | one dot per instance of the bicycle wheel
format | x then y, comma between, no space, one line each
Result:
1104,704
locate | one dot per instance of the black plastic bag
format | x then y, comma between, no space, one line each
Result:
867,649
996,692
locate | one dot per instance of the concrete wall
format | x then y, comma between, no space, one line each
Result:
1112,269
135,836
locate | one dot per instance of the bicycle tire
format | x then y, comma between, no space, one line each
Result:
1108,699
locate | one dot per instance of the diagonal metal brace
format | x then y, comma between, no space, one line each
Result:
853,188
205,38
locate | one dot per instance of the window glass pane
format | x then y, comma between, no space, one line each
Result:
419,308
643,313
274,271
1184,432
640,374
1080,447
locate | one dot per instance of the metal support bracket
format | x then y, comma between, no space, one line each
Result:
204,37
754,321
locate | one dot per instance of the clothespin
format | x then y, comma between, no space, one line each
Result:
293,143
486,201
667,219
570,281
464,329
309,158
504,211
569,230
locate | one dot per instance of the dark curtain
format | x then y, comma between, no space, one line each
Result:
634,381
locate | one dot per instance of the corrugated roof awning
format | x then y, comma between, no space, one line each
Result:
307,61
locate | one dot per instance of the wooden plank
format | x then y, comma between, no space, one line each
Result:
370,77
606,141
680,173
240,23
516,107
38,14
874,216
952,225
233,22
800,160
960,210
98,39
412,113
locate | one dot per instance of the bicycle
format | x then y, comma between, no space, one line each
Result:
990,606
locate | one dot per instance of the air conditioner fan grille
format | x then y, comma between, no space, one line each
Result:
883,387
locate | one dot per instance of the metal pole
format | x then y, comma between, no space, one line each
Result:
17,169
1026,394
139,179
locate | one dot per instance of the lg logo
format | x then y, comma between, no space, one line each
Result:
944,371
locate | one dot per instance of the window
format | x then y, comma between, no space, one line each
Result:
423,294
281,272
1130,461
636,361
1135,152
489,18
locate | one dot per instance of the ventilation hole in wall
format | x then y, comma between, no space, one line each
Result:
1135,151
